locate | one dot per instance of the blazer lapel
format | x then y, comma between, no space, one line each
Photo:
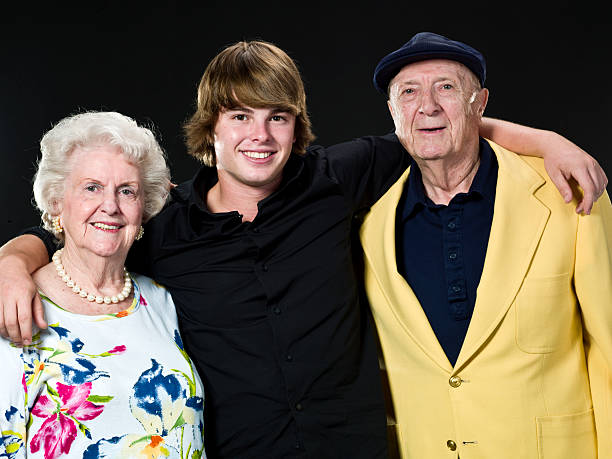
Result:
519,219
378,241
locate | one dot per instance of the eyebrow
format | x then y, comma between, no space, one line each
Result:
249,110
97,181
437,80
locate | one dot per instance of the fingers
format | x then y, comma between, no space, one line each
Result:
586,203
589,190
3,330
39,313
599,178
562,184
11,323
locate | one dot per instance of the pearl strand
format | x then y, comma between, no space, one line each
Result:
61,272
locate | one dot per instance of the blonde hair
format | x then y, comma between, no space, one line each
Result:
253,73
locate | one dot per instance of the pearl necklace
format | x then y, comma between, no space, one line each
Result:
61,272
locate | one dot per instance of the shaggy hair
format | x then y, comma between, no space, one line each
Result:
251,73
91,129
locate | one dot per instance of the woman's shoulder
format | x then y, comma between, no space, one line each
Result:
153,293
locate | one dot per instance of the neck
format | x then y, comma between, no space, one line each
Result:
445,178
230,195
96,274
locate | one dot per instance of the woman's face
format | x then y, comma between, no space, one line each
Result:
103,201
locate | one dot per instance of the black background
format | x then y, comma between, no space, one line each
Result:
548,67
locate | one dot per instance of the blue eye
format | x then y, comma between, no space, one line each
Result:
91,188
447,86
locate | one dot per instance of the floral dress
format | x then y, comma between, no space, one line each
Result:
118,385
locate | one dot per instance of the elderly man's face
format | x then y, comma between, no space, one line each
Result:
436,106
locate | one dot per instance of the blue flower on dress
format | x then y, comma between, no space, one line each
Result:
11,441
158,400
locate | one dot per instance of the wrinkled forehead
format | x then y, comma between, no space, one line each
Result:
433,70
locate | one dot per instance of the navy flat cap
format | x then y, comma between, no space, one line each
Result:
424,46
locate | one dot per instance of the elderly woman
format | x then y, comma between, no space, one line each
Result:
109,377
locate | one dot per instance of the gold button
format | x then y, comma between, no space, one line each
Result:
451,445
455,381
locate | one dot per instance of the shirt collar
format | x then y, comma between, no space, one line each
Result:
193,191
483,185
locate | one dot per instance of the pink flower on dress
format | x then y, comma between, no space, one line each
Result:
59,429
143,301
118,349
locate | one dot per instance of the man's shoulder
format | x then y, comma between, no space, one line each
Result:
365,143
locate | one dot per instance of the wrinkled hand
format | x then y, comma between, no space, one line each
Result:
571,164
19,303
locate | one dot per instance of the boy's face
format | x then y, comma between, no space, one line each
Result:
252,145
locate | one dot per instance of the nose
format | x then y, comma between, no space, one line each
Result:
429,104
110,204
260,131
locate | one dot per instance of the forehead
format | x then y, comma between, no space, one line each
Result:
434,69
101,161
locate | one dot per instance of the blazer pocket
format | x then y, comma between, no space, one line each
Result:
571,436
544,309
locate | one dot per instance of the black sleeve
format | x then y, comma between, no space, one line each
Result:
367,167
137,257
51,243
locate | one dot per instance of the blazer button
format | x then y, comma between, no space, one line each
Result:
455,381
451,445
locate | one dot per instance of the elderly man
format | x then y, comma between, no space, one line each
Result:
491,295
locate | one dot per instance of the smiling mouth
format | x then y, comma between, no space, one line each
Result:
257,154
104,226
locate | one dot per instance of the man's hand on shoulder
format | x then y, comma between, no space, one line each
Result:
19,300
571,163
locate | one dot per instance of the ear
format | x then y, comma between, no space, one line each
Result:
481,100
390,106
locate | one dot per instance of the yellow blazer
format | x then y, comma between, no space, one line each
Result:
533,377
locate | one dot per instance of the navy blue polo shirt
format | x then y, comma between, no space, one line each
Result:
441,249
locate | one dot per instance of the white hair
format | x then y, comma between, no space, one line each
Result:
90,129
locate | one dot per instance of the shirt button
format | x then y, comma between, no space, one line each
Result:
455,381
297,445
451,225
452,255
456,288
264,268
299,407
256,230
451,445
276,310
289,358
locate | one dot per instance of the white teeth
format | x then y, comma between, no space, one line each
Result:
256,154
106,227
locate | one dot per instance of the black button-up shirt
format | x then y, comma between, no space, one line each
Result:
269,310
441,249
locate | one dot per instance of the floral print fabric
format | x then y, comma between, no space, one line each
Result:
116,386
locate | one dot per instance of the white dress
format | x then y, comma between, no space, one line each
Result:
117,385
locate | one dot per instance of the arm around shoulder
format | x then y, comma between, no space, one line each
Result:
19,300
565,161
